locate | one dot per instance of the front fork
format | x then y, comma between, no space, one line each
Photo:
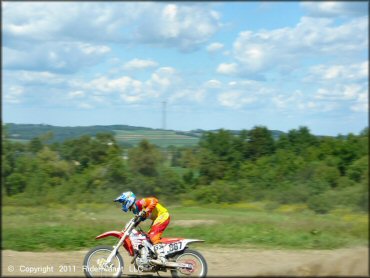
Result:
120,242
115,250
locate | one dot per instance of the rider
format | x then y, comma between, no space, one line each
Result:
148,208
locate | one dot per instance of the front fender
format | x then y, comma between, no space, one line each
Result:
110,233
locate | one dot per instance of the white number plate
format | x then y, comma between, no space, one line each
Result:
173,247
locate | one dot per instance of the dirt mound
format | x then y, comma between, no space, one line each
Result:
221,262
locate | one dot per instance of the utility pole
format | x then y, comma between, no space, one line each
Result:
164,130
164,115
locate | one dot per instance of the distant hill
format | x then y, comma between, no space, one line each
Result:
29,131
125,135
198,132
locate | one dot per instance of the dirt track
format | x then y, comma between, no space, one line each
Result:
221,261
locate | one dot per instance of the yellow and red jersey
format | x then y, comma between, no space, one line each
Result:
152,208
156,212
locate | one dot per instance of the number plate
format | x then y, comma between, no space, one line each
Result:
173,247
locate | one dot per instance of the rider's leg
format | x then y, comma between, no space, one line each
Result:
155,233
159,250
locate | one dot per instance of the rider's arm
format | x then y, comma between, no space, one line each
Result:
150,204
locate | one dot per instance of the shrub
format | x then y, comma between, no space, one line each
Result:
320,204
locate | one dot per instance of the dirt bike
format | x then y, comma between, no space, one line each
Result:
106,261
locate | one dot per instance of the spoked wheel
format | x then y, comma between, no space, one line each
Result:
195,259
95,263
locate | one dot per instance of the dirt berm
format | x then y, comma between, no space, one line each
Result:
221,262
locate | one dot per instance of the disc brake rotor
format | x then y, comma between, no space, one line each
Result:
187,270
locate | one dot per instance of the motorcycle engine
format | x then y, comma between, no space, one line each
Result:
142,260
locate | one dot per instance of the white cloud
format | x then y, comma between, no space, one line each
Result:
188,94
137,64
214,47
162,80
286,101
340,83
13,94
93,49
131,90
61,57
213,84
235,100
339,73
31,78
286,49
340,92
76,94
53,21
67,37
184,26
336,8
227,68
361,104
164,83
298,101
238,94
85,105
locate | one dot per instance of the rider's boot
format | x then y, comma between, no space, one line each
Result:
161,259
159,251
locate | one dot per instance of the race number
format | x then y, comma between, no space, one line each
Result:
173,247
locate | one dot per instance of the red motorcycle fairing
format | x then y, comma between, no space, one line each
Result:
170,239
126,243
110,233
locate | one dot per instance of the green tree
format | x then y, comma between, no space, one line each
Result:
169,182
145,159
358,169
219,156
35,145
259,143
189,158
15,183
297,140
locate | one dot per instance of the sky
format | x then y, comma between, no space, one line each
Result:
231,65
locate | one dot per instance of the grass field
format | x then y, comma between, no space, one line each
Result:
65,228
157,137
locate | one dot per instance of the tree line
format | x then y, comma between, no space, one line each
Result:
297,168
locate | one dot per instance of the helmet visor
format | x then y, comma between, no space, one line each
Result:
125,206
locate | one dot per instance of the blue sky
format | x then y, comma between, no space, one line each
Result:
231,65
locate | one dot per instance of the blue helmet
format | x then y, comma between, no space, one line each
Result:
127,199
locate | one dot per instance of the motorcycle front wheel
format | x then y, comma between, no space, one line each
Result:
194,258
95,263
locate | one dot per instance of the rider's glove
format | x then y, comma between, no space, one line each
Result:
142,214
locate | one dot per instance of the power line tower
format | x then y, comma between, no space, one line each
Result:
164,103
165,154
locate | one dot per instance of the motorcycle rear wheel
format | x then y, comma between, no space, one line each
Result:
194,258
95,259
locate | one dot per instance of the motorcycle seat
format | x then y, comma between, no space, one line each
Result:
170,239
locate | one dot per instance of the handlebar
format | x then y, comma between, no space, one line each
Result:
137,219
133,221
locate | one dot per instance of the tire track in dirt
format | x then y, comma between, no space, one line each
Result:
221,261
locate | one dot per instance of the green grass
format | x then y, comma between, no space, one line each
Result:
64,228
157,137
